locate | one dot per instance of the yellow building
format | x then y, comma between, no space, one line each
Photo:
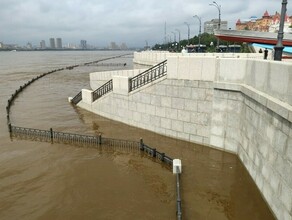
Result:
268,23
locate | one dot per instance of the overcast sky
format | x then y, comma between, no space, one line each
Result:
130,21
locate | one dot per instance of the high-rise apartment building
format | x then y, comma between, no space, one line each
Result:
113,46
83,44
123,46
210,26
52,43
59,43
43,44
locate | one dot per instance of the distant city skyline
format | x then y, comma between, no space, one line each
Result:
57,44
131,22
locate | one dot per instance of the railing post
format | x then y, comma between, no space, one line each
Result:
178,200
52,134
141,144
177,169
130,84
162,156
154,152
99,139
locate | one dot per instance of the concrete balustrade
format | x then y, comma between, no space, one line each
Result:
270,77
188,68
121,85
239,105
150,58
99,78
87,96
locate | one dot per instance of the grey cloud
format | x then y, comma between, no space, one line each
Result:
116,20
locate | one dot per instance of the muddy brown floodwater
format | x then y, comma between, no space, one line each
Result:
40,180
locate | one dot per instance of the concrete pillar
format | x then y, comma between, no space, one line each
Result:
87,96
121,85
176,166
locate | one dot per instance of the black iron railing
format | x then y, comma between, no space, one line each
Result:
77,98
11,100
104,89
78,139
34,134
85,140
148,76
154,153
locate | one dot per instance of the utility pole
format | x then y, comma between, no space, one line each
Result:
188,32
200,29
216,5
165,33
279,46
178,38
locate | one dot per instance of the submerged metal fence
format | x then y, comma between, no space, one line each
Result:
154,153
108,64
97,141
85,140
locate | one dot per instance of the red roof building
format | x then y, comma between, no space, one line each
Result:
267,23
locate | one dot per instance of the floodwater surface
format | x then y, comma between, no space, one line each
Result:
40,180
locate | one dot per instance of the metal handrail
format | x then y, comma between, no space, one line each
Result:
104,89
148,76
77,98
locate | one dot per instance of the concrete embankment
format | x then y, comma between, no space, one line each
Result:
237,103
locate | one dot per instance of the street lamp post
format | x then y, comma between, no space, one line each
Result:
169,41
200,20
188,32
279,46
215,4
174,35
178,37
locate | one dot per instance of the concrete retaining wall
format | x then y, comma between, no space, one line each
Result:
263,141
238,105
175,108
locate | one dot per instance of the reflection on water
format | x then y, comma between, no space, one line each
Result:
56,181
